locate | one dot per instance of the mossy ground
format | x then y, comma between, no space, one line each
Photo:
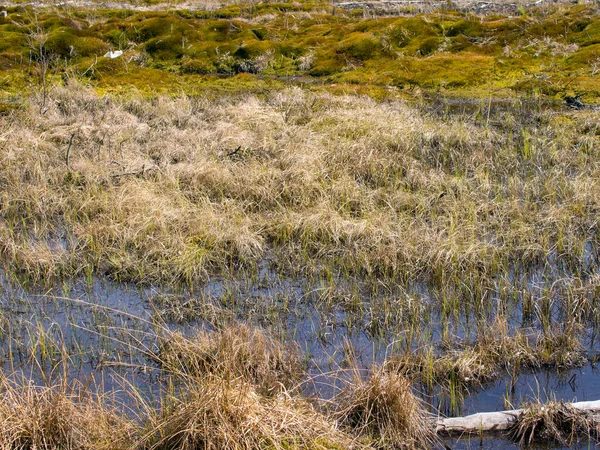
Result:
550,52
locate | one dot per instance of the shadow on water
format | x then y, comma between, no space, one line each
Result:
496,443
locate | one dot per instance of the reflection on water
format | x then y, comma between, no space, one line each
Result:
491,443
334,322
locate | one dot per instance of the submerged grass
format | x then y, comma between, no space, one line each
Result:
496,353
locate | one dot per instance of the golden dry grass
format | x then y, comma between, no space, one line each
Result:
383,406
214,413
153,192
238,351
59,416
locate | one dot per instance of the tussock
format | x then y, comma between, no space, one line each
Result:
237,352
384,407
237,389
555,422
35,417
229,414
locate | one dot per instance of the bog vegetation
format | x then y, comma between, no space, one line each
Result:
541,51
415,176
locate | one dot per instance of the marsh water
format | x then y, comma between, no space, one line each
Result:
110,329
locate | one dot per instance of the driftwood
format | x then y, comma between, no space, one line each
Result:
497,421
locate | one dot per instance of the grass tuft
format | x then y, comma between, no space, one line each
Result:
59,416
237,352
230,414
554,422
384,407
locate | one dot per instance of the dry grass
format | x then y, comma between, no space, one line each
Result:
237,389
554,422
174,190
384,407
234,398
34,417
152,192
229,414
237,352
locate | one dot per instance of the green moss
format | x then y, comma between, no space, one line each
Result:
157,27
471,27
116,38
51,22
460,44
209,49
228,12
551,27
442,50
404,30
64,43
224,30
12,41
261,33
324,66
584,56
10,60
166,48
360,46
198,66
589,35
255,48
291,50
429,45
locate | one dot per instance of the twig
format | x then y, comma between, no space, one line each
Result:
67,156
235,151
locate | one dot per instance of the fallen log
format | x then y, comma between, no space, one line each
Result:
497,421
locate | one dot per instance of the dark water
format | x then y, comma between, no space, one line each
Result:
491,443
98,321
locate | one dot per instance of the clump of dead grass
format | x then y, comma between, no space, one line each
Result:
236,352
497,351
57,416
384,407
555,422
215,413
237,389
